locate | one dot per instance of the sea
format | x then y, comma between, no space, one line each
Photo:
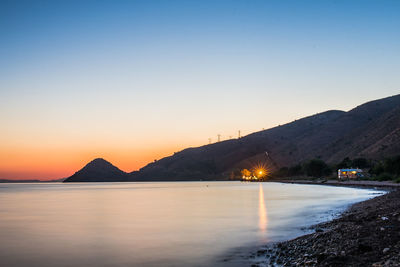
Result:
158,223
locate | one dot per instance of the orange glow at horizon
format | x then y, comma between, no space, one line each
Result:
47,164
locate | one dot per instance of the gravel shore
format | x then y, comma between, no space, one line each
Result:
367,234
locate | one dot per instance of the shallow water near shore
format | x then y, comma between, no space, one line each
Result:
157,224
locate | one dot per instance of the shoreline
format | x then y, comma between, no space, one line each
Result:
386,185
366,234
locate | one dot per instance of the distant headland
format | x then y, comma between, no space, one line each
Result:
371,131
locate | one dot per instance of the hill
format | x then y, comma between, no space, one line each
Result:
371,130
98,170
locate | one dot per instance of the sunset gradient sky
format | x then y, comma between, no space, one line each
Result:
134,81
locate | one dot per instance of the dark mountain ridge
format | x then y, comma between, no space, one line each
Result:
371,130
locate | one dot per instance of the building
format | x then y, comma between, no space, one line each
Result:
350,173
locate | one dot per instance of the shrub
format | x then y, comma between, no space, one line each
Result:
385,177
296,170
377,169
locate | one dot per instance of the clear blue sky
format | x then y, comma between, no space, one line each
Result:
138,80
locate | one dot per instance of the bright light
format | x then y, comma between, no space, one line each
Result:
260,172
257,173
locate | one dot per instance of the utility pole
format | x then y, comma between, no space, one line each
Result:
239,134
209,140
219,137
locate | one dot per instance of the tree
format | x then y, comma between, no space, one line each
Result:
377,168
360,163
316,168
246,173
392,165
345,163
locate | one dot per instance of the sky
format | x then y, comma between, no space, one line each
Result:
134,81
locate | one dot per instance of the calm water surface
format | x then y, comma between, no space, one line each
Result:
155,224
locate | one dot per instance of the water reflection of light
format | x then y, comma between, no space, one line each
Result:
262,211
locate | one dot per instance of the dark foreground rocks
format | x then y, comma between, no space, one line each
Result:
368,234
